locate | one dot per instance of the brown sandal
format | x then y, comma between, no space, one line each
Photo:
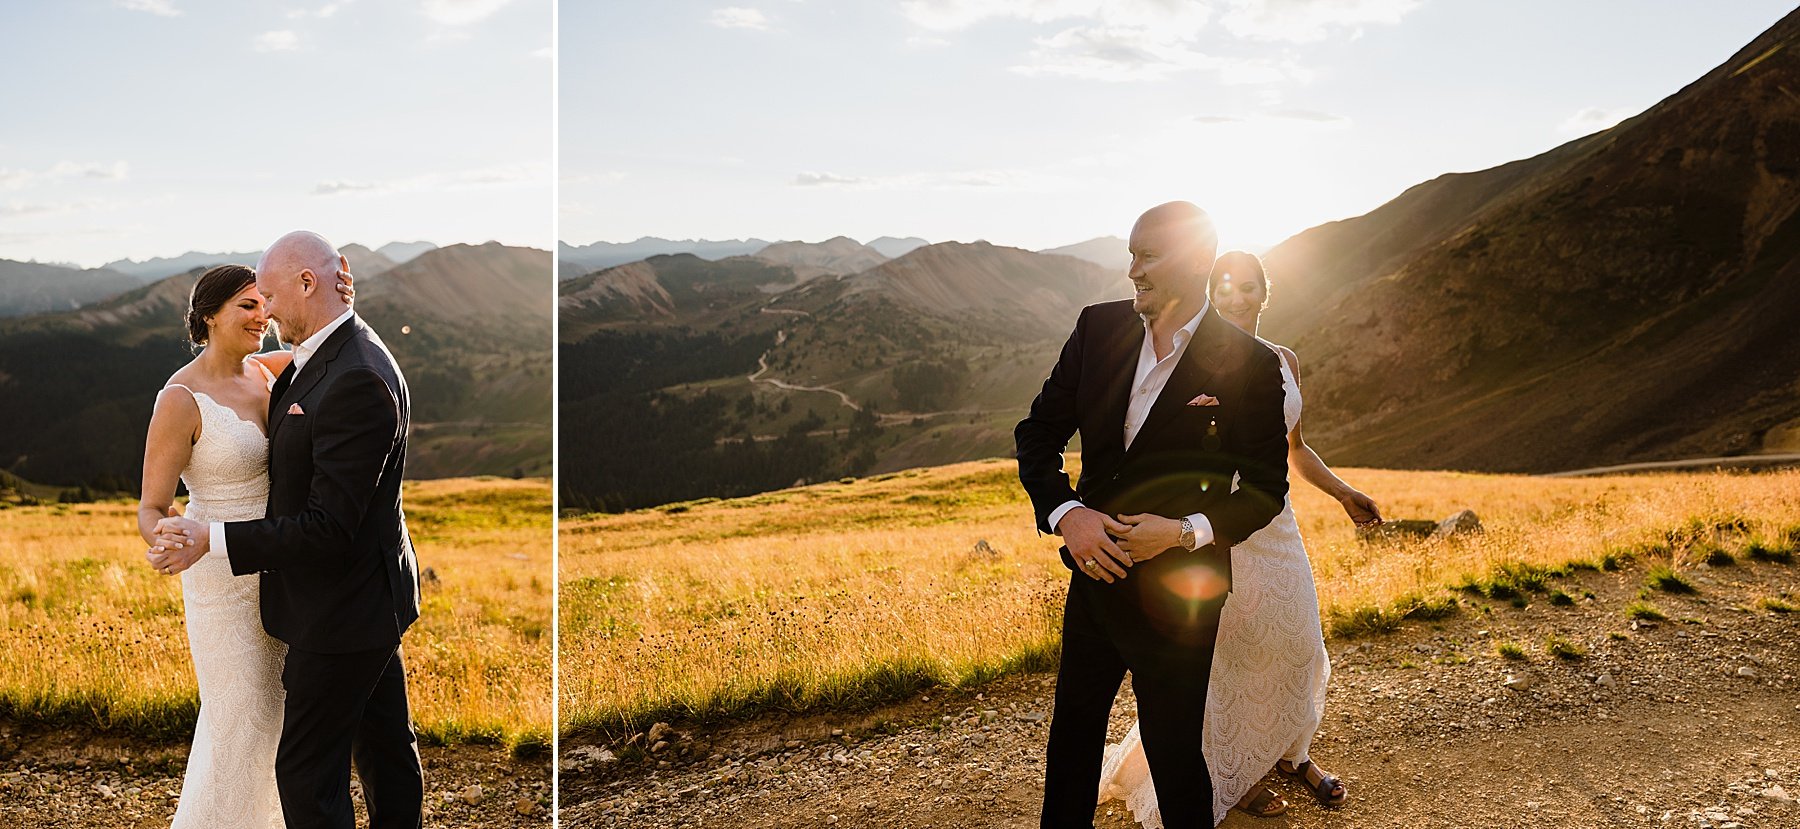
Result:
1263,802
1329,790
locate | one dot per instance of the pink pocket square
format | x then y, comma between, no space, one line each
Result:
1204,400
296,410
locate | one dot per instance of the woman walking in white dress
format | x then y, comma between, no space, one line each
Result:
208,430
1270,668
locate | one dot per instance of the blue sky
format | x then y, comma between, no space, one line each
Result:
150,127
1044,122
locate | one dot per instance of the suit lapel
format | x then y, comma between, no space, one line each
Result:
1122,348
278,391
307,378
1192,372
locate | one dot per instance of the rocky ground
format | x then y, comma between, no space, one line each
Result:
1692,721
60,779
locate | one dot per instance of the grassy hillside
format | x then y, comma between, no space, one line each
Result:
843,594
73,582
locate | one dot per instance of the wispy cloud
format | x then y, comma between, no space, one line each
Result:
1146,40
460,12
955,180
739,17
11,179
334,186
19,210
1593,119
546,52
953,15
1310,115
278,41
812,179
1304,21
1131,53
507,175
322,12
160,8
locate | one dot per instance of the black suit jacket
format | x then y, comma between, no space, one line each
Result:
339,573
1183,458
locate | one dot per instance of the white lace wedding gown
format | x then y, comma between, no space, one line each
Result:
1267,692
230,778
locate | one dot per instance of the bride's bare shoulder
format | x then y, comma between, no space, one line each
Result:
275,361
1287,355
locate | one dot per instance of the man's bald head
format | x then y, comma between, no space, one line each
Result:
1183,223
1172,247
298,277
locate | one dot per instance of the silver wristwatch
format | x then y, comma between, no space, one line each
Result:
1187,534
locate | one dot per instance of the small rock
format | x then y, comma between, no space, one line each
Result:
1604,681
527,806
659,746
1031,716
472,794
1520,682
1747,672
658,732
1464,522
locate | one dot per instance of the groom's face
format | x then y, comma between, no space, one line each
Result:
1168,265
275,288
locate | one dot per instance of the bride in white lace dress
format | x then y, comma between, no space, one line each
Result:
1270,669
208,431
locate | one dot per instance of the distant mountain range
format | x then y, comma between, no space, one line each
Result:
34,288
1631,295
1106,251
161,267
893,248
683,377
575,261
469,324
402,252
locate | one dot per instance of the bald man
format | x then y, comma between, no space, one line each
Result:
339,578
1171,402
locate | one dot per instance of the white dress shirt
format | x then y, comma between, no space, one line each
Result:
1147,384
215,532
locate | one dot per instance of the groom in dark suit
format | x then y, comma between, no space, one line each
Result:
339,579
1171,402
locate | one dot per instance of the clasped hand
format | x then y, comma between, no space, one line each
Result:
179,542
1105,547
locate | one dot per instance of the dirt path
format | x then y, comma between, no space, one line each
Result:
762,366
1690,722
63,779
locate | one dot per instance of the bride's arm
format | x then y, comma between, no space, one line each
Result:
1361,508
174,426
275,361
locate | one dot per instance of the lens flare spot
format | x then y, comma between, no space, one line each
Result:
1196,583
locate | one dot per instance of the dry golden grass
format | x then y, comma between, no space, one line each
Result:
94,636
849,593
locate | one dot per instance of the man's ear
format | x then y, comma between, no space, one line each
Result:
309,282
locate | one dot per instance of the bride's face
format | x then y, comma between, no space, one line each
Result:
243,322
1239,298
